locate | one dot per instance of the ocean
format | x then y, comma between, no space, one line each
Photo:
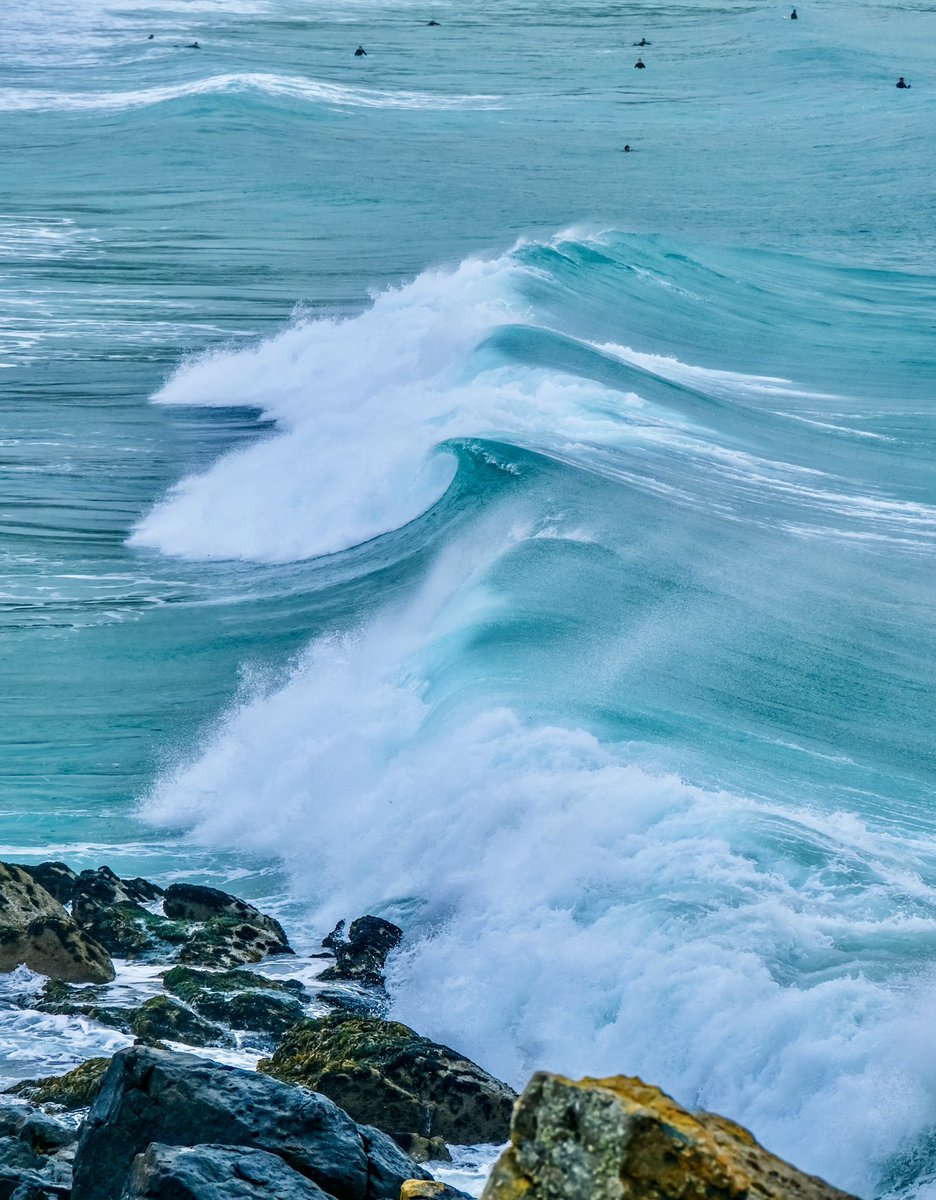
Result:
414,503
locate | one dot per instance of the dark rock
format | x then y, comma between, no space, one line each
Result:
164,1019
36,930
57,879
191,902
17,1155
111,910
95,891
215,1173
13,1117
602,1138
336,938
32,1185
383,1073
143,891
155,1096
362,957
45,1135
76,1089
260,1012
229,942
240,999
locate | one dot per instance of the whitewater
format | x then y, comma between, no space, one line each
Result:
417,505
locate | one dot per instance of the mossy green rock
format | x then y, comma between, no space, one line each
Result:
383,1073
76,1089
230,942
162,1018
240,999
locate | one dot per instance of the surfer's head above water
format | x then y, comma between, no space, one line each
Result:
640,64
360,52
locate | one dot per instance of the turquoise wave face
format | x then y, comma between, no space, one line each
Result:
570,600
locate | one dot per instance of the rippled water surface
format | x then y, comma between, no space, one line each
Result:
414,503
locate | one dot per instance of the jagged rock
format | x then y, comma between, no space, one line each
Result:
163,1019
607,1139
362,957
431,1189
142,890
37,931
241,999
192,902
111,910
383,1073
228,942
57,878
76,1089
156,1096
215,1173
336,938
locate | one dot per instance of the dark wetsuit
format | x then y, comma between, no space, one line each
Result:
902,84
360,52
640,64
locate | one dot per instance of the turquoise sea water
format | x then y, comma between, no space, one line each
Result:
413,503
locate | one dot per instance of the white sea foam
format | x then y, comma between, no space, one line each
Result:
293,87
361,406
568,910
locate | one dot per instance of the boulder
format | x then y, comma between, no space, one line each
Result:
111,910
241,999
191,902
215,1173
224,942
383,1073
76,1089
362,956
152,1095
162,1018
611,1139
57,878
35,930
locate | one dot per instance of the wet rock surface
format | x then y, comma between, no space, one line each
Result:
385,1074
150,1096
215,1173
361,957
606,1139
57,878
33,1153
36,931
163,1019
240,999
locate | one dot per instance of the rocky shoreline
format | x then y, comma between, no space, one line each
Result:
345,1105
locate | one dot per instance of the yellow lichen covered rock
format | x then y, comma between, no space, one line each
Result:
622,1139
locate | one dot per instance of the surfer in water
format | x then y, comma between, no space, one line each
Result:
643,42
193,46
793,16
902,84
360,52
640,65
